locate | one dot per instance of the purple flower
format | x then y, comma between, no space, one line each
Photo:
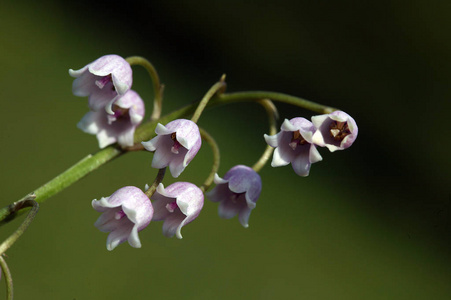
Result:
237,193
336,131
178,204
102,80
128,112
294,145
175,145
124,213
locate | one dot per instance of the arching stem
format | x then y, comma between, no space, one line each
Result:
271,110
216,158
151,190
157,86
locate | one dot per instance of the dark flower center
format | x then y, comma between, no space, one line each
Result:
119,215
297,139
339,130
175,147
119,111
171,206
104,81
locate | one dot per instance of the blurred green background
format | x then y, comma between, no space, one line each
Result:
371,222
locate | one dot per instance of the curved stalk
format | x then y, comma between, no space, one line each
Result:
258,95
216,158
272,116
151,190
8,278
17,206
218,87
157,86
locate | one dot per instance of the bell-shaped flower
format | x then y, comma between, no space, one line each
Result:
128,112
336,131
175,145
178,204
102,80
294,145
126,212
237,193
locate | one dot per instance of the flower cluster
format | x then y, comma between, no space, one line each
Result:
116,111
129,210
296,142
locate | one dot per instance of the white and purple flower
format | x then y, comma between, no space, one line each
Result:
175,145
178,204
126,212
128,112
294,145
336,131
237,193
102,80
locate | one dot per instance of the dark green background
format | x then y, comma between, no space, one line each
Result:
371,222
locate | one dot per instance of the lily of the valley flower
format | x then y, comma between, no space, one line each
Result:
336,131
124,213
178,204
237,193
128,112
102,80
294,145
175,145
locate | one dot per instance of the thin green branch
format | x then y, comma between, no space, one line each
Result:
216,158
17,206
218,87
258,95
271,110
157,86
8,278
151,190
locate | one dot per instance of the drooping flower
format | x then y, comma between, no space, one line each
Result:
178,204
128,112
102,80
294,145
336,131
126,212
175,145
237,193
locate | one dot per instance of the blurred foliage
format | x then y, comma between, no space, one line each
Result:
370,222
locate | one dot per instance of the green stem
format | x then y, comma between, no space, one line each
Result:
8,278
151,190
258,95
76,172
217,87
68,177
216,159
272,116
17,206
157,86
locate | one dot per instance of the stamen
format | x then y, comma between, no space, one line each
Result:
296,140
119,111
171,206
339,130
103,81
119,215
234,197
176,146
